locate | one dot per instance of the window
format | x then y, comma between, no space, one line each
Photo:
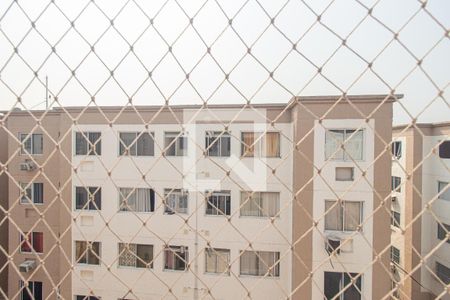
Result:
175,144
87,252
176,201
442,232
335,282
343,217
88,143
32,242
396,183
260,204
217,260
218,203
396,149
444,149
258,144
395,255
32,193
260,263
443,273
32,291
88,198
344,174
31,143
80,297
176,258
218,143
444,188
137,255
352,140
395,218
136,144
137,200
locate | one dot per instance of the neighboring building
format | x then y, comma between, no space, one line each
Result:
421,210
140,200
3,209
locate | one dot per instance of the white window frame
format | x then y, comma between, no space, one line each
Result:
23,138
31,242
395,255
90,149
24,187
245,195
137,139
178,136
215,138
88,189
342,283
171,250
342,211
125,208
397,151
86,253
275,269
137,259
178,193
215,251
218,212
447,189
23,289
345,155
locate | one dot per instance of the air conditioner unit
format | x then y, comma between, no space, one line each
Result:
28,165
27,266
333,243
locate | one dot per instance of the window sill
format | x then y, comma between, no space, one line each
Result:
28,203
260,217
258,277
224,274
175,271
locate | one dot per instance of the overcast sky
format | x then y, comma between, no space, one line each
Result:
295,72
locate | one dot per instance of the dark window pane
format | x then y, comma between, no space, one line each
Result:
332,283
352,292
444,150
80,144
38,193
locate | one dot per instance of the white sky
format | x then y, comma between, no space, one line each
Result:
294,73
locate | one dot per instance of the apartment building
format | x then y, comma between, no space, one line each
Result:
189,202
421,210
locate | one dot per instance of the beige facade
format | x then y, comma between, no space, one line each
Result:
420,169
303,122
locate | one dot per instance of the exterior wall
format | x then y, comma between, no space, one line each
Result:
420,189
311,191
3,207
201,174
434,169
37,217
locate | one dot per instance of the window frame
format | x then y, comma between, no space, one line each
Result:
89,202
398,187
178,136
22,139
275,269
87,253
138,138
214,138
217,258
345,155
394,215
447,189
342,284
439,273
30,242
441,146
179,192
91,150
342,211
172,249
260,139
31,185
397,150
152,203
32,289
86,297
395,255
245,198
441,234
137,260
219,212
